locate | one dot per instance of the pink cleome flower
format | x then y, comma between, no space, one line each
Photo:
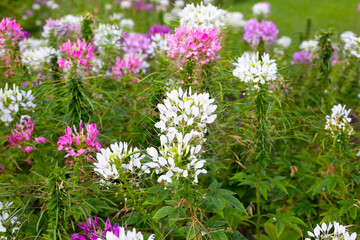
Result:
199,44
130,63
77,54
23,135
10,34
78,143
10,31
255,31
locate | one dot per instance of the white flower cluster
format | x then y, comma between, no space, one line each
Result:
32,43
352,43
129,235
251,69
339,121
38,57
7,226
119,157
261,9
107,36
158,44
183,120
127,23
68,21
309,46
282,44
207,16
11,100
236,19
322,233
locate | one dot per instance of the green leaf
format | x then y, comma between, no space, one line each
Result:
271,231
353,212
331,184
263,190
163,212
219,202
219,236
235,202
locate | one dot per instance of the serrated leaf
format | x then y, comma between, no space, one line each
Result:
235,202
163,212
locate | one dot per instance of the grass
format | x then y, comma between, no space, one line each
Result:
291,15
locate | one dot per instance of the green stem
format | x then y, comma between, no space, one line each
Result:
258,212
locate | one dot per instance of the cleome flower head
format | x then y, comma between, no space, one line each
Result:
119,157
256,31
183,120
261,9
93,231
206,16
339,122
351,44
197,44
80,143
323,232
107,36
12,100
257,72
77,53
9,224
22,136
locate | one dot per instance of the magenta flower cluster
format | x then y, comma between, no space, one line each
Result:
256,31
60,29
93,231
81,143
302,57
159,29
128,64
198,44
10,32
78,54
22,135
136,42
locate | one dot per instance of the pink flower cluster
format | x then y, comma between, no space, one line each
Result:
22,135
10,32
136,42
302,57
255,31
130,64
77,54
77,144
199,44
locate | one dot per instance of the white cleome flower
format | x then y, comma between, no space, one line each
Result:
158,44
12,100
283,42
183,120
323,232
129,235
339,121
309,46
37,58
207,16
8,226
250,69
351,43
120,157
127,23
236,19
107,36
261,9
